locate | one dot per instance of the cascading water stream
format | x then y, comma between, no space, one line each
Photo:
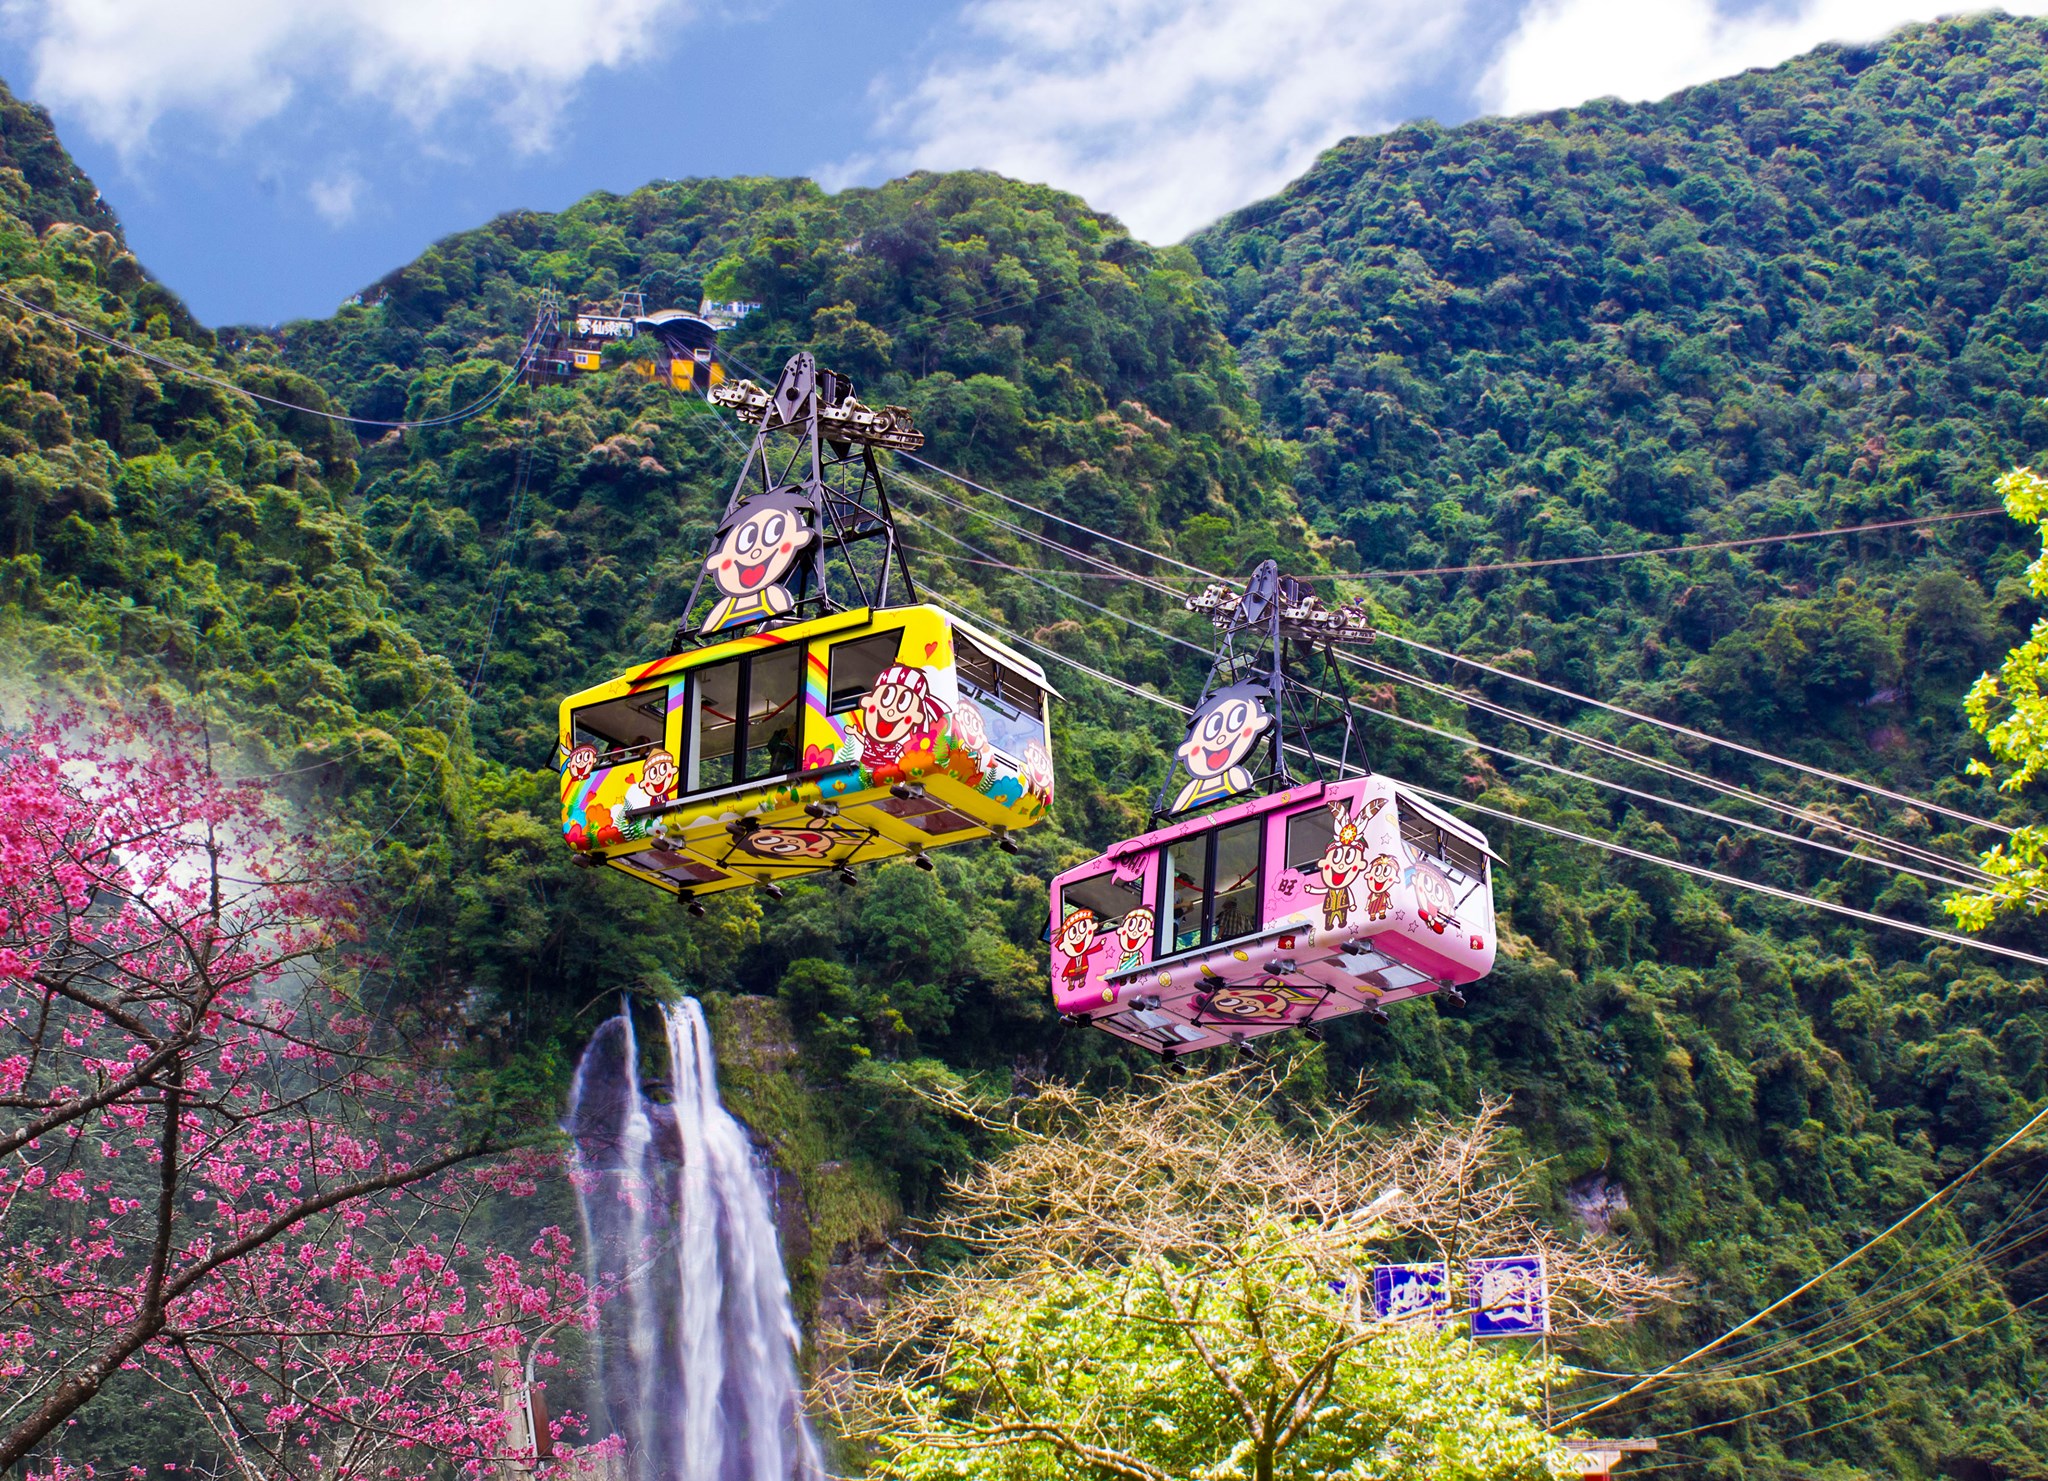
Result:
697,1342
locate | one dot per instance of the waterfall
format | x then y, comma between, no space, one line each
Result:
696,1340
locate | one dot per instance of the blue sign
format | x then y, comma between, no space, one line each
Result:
1403,1292
1509,1297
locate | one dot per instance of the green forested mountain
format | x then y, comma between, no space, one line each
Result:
1797,299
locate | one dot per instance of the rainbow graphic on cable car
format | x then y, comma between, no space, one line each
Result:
854,737
1302,905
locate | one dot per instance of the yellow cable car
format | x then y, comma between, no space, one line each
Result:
849,738
805,735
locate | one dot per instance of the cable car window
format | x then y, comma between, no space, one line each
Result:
744,718
1422,832
1103,895
1212,886
714,718
1309,835
1187,886
774,711
1236,874
633,723
856,666
990,678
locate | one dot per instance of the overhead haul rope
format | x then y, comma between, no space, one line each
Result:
1753,752
1860,1378
1516,820
475,408
1665,550
1896,1306
1893,1310
1700,735
1609,748
1929,1202
1622,753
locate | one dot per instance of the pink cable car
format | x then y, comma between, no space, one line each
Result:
1279,899
1302,905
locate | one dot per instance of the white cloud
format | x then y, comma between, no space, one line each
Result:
1567,51
336,196
121,65
1166,112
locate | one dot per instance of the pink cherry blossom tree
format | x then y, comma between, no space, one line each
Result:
217,1170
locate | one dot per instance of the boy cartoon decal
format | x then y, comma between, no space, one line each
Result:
895,714
1222,734
1380,875
1340,866
582,761
657,777
1076,937
752,552
1132,932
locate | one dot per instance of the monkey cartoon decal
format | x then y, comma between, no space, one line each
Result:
1270,1000
1132,932
1435,895
752,552
895,714
1076,937
1380,875
1222,734
1340,866
793,845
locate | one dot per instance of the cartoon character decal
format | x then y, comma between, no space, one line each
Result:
1341,864
1222,734
1435,896
1380,875
1132,933
1038,769
752,552
582,761
895,715
657,778
795,845
1268,1001
1076,937
970,726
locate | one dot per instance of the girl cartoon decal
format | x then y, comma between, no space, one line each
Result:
1132,933
1435,896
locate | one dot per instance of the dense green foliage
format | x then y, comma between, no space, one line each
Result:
1796,299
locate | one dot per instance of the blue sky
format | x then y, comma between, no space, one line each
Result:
270,157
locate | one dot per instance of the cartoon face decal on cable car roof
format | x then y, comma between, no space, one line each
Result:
1307,904
757,544
1225,729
